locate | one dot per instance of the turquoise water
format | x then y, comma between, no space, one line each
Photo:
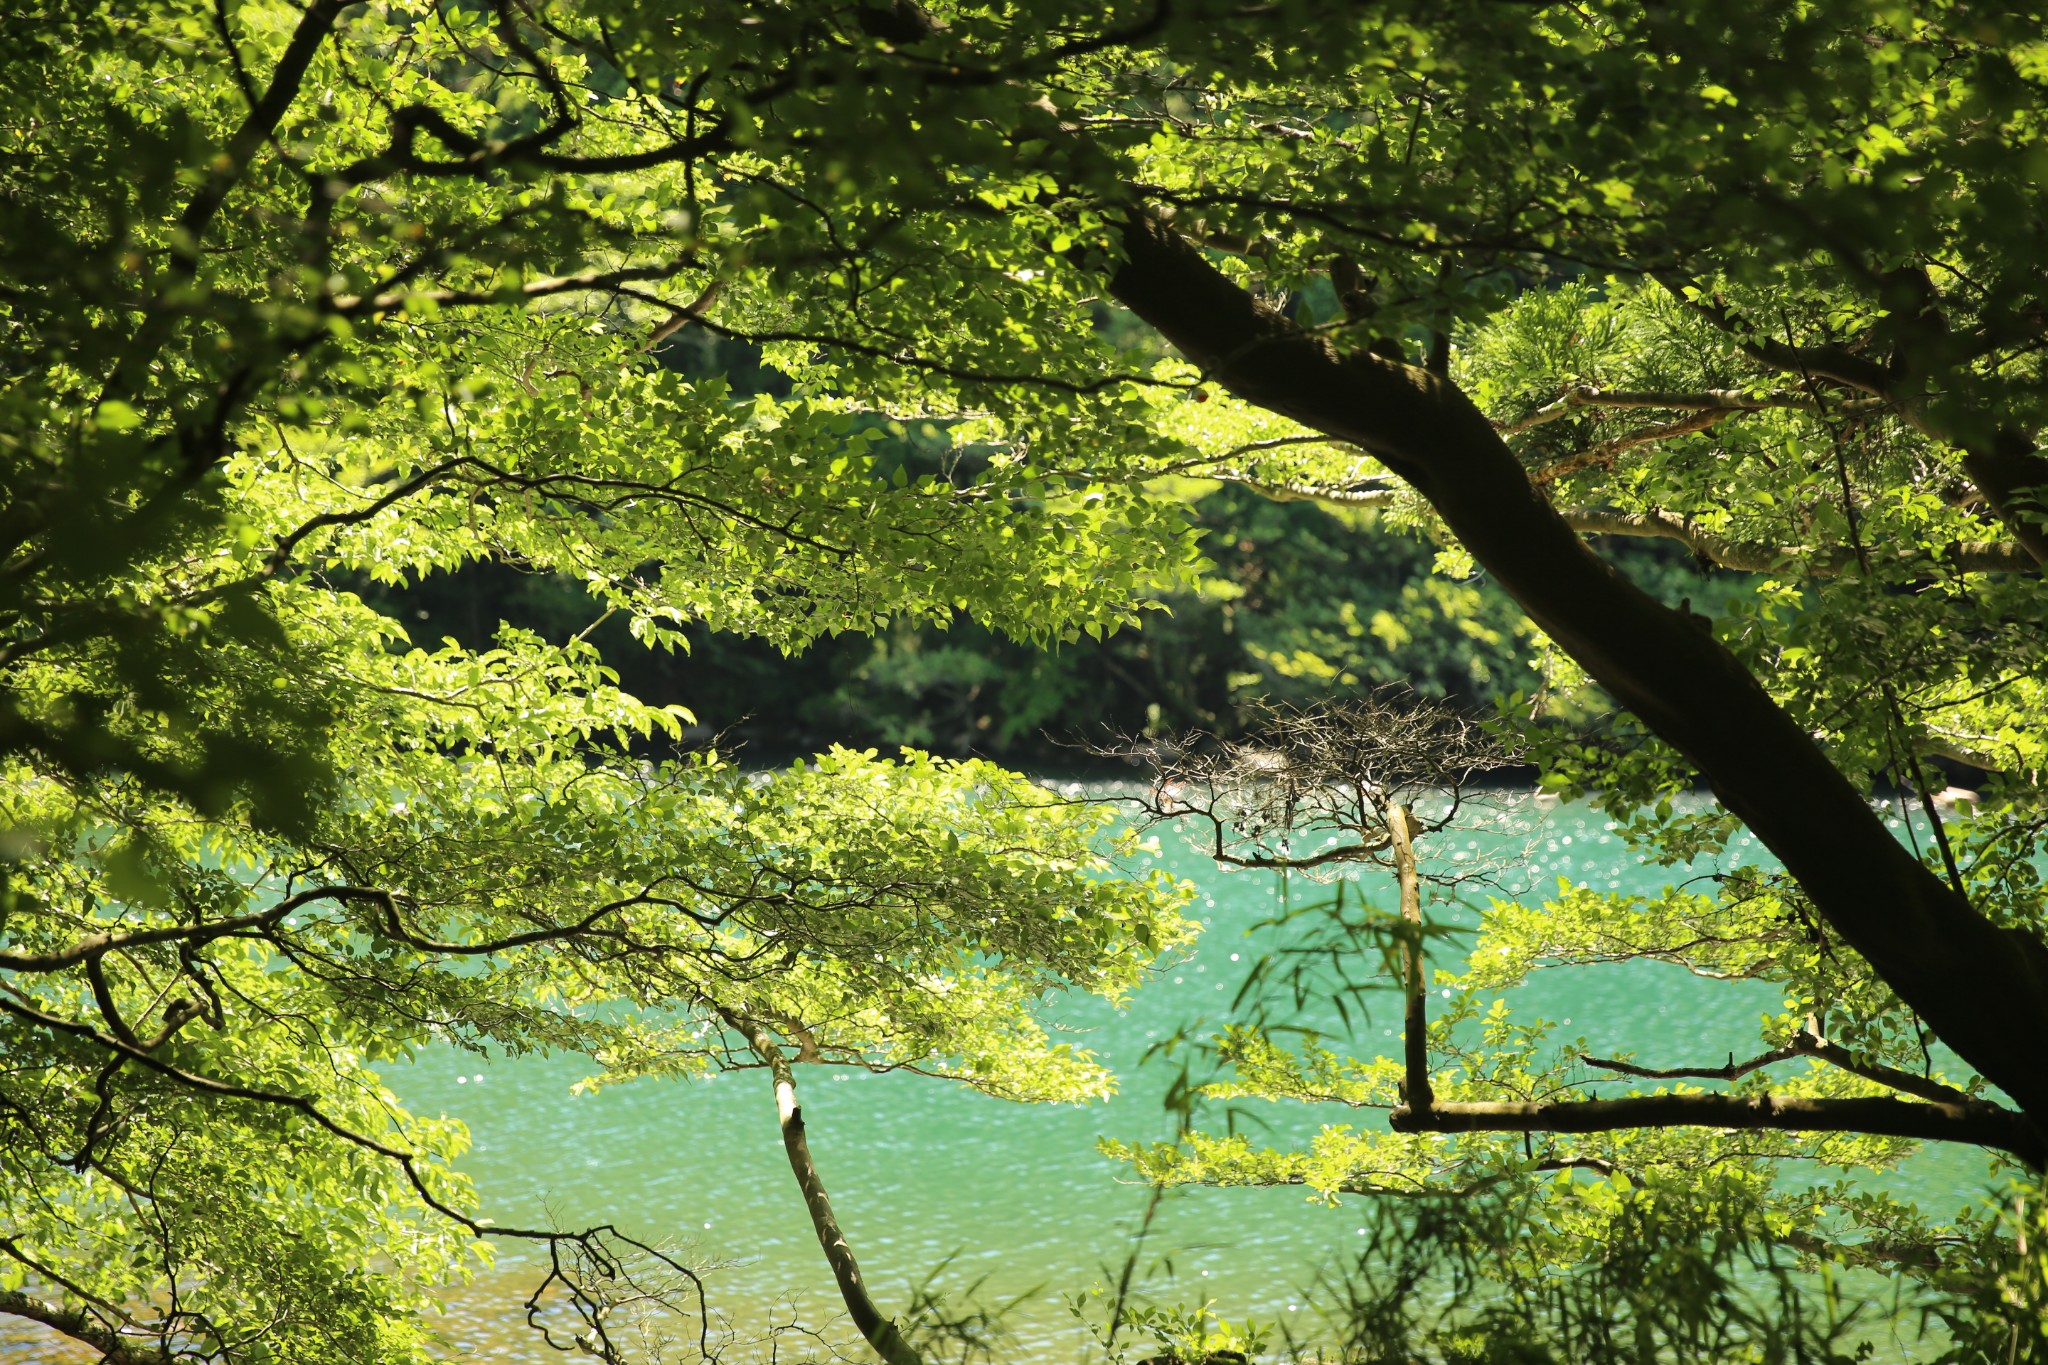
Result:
932,1180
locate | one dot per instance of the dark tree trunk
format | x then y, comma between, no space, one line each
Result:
1982,989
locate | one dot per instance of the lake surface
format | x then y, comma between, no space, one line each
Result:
932,1181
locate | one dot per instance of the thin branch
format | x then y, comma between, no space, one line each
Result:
1806,1043
685,315
90,949
880,1332
591,1249
1697,400
1606,452
281,553
1968,556
583,281
909,360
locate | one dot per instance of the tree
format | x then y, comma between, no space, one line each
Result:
377,288
258,843
1560,1223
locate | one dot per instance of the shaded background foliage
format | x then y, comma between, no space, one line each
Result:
1302,602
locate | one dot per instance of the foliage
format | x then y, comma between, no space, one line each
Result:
259,843
1673,1281
1594,1179
1178,1336
1295,603
305,295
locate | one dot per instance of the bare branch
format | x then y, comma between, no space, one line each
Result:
1806,1043
880,1332
1334,773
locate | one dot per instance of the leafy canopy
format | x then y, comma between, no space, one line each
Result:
301,295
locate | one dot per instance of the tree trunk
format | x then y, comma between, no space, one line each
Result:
1982,989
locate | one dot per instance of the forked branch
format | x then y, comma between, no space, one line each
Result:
1806,1043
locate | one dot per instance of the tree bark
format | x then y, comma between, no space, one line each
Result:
114,1349
1982,989
2013,476
1415,1021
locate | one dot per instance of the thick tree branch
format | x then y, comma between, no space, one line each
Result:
81,1327
2012,473
261,121
1401,830
1983,989
1981,1125
1838,364
1943,746
2006,465
95,946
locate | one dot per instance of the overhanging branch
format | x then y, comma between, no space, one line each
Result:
81,1327
1977,1123
1970,556
2005,463
1806,1043
1693,400
1982,988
